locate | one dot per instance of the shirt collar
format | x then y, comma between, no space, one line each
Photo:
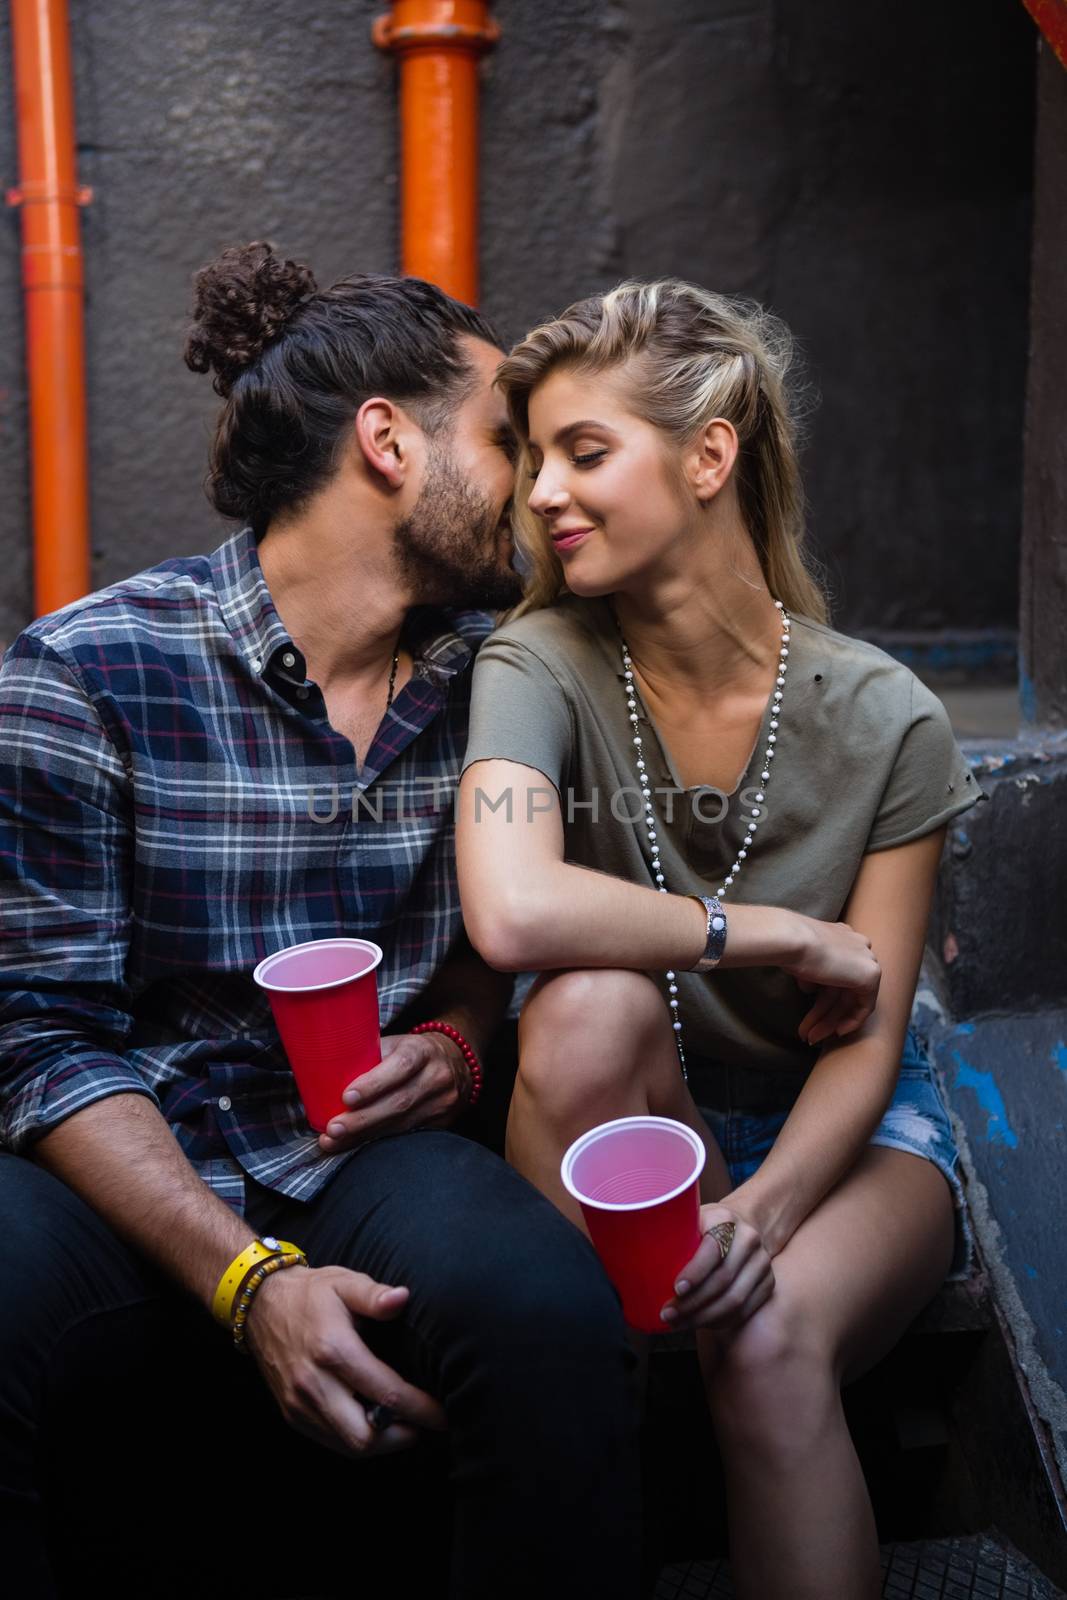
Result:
245,602
442,642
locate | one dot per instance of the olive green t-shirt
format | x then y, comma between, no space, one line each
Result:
865,759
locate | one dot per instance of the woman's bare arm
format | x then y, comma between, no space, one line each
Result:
851,1084
527,909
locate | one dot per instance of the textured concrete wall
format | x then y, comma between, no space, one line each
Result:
1043,632
866,170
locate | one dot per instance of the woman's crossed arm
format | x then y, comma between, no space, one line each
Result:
528,909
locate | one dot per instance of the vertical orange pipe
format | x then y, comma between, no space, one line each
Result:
53,280
438,43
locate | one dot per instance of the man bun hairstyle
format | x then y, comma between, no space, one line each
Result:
242,301
293,363
685,355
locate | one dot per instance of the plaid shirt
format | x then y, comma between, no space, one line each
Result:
174,806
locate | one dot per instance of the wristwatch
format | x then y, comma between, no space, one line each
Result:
715,942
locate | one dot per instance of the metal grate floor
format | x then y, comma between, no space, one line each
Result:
976,1568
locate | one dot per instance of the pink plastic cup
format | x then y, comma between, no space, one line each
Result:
637,1181
324,996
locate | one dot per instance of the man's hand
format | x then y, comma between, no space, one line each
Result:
302,1331
421,1082
712,1291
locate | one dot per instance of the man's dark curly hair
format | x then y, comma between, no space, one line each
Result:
294,363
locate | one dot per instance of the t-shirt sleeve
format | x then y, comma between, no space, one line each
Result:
519,711
930,782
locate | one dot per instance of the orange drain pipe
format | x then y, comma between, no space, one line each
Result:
438,43
53,280
1051,18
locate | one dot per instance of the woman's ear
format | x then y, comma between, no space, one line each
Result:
711,459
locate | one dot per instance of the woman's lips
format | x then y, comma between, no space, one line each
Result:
567,538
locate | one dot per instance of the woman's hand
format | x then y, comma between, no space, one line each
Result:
839,965
716,1291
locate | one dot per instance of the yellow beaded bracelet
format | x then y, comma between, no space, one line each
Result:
275,1264
237,1272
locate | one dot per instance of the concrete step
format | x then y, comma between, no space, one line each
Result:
984,1567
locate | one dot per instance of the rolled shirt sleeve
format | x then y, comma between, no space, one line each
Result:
519,712
66,818
930,781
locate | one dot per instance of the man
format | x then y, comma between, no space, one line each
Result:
212,760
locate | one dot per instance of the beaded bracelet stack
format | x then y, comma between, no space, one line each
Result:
474,1066
240,1315
243,1276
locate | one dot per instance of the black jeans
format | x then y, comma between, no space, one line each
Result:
134,1437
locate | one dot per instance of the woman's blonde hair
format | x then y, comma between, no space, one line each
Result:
695,356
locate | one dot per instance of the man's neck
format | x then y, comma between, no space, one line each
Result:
343,607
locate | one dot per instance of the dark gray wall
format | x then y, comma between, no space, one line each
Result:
865,170
1043,633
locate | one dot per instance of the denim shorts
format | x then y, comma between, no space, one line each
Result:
745,1109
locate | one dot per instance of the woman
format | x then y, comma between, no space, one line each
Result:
668,711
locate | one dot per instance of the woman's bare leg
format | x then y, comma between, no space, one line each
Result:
847,1284
594,1045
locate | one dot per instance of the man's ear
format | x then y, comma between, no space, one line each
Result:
382,434
710,460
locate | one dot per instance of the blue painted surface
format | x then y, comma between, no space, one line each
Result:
992,651
998,1128
1041,750
1027,696
1005,1078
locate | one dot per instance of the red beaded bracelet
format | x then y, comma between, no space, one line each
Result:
474,1066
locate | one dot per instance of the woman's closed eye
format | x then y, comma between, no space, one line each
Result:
588,458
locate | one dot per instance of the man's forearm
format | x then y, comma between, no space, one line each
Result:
120,1156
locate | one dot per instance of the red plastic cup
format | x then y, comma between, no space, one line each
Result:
637,1181
324,996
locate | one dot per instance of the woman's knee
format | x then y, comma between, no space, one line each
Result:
774,1376
588,1033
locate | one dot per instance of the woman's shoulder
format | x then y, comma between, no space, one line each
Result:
561,635
862,674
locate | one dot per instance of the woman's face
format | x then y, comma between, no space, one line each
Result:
607,491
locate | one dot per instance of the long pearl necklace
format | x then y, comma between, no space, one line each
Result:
650,815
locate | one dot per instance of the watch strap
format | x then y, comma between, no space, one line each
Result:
715,937
232,1280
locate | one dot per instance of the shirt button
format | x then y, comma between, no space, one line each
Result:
301,694
256,664
225,1102
288,659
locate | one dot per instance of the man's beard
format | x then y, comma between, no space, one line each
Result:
448,549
